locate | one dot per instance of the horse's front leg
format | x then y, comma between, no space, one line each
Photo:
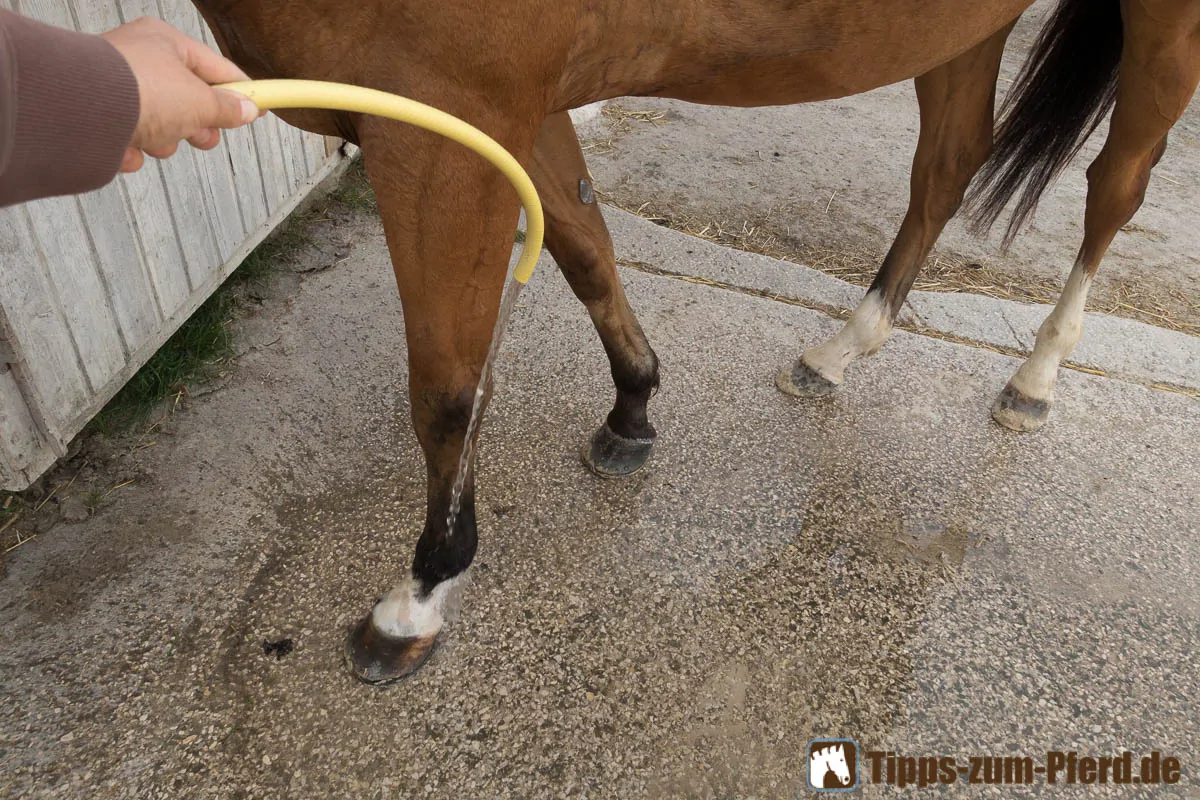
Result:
449,217
579,241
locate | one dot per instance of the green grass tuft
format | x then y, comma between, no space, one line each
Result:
190,356
194,354
196,351
355,190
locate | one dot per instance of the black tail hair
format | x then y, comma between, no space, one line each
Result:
1065,89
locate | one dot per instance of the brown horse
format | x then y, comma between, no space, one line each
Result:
514,69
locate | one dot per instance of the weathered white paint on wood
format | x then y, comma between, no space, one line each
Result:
91,286
19,437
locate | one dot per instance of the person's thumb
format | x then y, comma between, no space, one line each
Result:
231,110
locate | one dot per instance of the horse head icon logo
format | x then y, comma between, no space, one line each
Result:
832,765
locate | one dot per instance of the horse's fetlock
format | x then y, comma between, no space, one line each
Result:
636,375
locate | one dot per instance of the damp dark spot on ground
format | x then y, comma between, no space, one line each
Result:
278,648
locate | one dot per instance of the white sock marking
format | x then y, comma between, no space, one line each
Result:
862,335
1056,338
401,614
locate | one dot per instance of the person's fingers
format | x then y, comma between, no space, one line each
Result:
132,160
233,110
209,65
175,74
162,152
206,139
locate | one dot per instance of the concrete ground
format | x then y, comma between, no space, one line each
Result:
888,565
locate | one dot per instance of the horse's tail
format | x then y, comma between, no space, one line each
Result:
1064,90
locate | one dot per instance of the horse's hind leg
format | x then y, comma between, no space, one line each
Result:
1160,68
957,103
578,239
449,217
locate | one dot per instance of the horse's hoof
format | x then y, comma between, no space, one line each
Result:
611,455
801,380
1018,411
374,657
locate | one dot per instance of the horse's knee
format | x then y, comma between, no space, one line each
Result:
441,417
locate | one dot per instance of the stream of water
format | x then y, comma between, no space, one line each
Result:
507,303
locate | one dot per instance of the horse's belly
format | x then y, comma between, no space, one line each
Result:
804,79
777,52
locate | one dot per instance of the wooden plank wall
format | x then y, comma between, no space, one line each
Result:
91,286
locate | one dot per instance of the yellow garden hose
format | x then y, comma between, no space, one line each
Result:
343,97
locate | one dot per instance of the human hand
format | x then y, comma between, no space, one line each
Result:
173,74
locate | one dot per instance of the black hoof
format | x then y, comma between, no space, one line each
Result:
374,657
801,380
611,455
1018,411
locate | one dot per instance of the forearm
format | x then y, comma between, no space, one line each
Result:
68,109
